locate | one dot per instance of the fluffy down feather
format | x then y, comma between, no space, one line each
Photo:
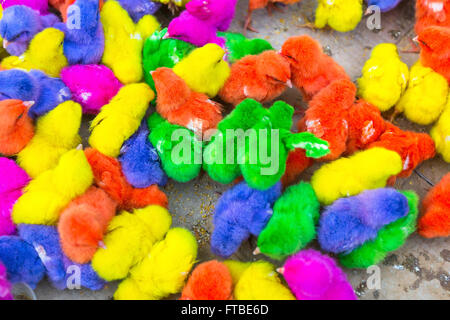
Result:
83,223
369,169
435,221
109,177
238,46
92,86
124,41
177,103
45,197
163,271
292,225
384,5
350,222
5,286
209,281
311,69
441,131
426,95
340,15
263,78
12,180
384,77
314,276
137,9
257,281
432,13
140,161
218,13
44,53
118,120
389,238
239,213
56,133
296,163
16,127
435,52
38,5
129,240
204,69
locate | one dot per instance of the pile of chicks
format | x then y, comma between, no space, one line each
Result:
101,209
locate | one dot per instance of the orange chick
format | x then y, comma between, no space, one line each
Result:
262,77
83,223
296,163
108,175
16,128
435,51
435,221
311,69
326,116
432,13
177,103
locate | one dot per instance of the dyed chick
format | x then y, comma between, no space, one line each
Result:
384,77
5,286
83,223
13,180
109,176
257,281
92,86
19,24
239,213
177,103
46,196
432,13
426,95
441,131
350,222
16,128
46,92
435,221
368,169
85,44
62,6
137,9
124,41
163,271
140,162
160,51
435,53
263,78
204,69
384,5
52,139
340,15
129,239
390,238
292,225
209,281
238,46
330,123
218,13
44,53
38,5
315,276
311,69
118,120
179,149
296,163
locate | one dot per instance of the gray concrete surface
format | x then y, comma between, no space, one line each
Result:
420,270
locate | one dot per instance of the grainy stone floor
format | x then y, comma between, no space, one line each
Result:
420,270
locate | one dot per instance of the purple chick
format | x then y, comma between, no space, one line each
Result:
190,29
217,13
19,25
384,5
350,222
5,286
241,212
139,8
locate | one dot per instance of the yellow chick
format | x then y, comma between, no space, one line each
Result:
124,41
56,133
441,133
46,196
118,120
129,239
384,77
345,177
164,271
340,15
426,95
204,69
257,281
44,53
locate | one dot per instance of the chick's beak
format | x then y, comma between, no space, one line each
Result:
166,36
416,39
5,43
280,270
28,104
289,83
